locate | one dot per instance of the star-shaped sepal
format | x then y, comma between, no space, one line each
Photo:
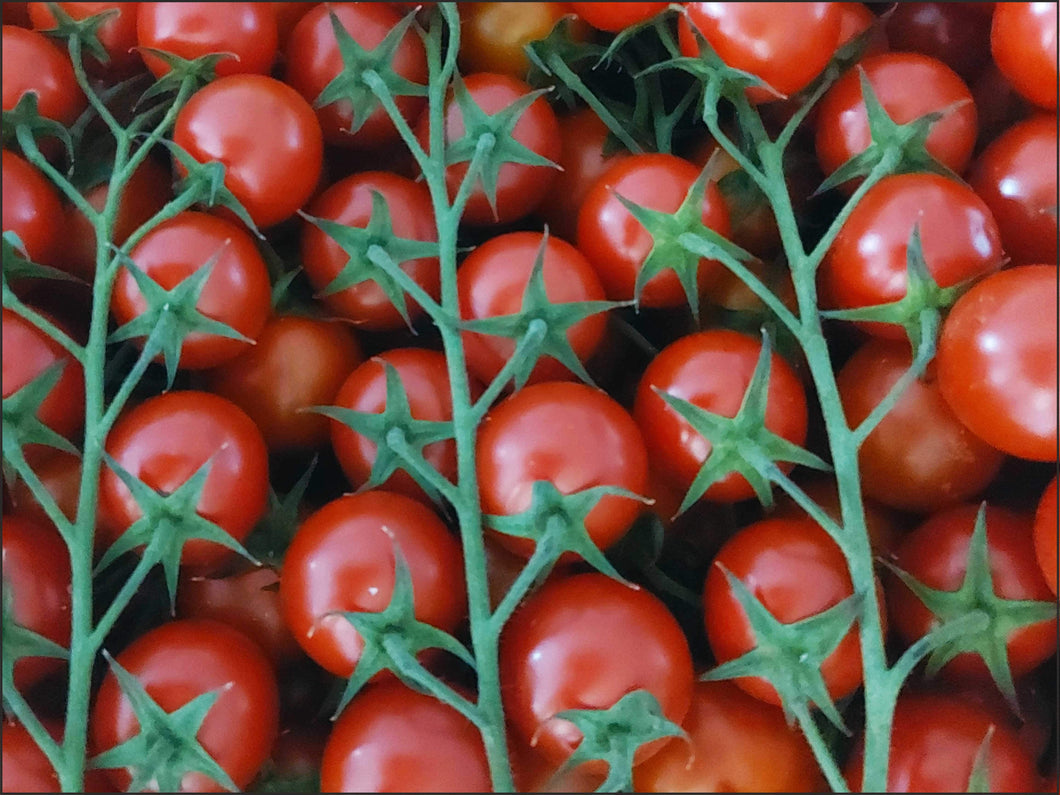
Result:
17,642
166,748
789,656
613,736
196,72
542,324
17,265
394,637
559,55
167,523
204,183
399,437
741,444
375,254
976,595
86,30
25,120
22,426
269,539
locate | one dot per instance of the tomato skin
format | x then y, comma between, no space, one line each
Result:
908,85
1045,541
492,281
117,34
349,202
287,16
920,457
950,32
934,743
1013,177
236,293
179,661
591,441
712,369
60,472
796,571
32,62
756,37
190,30
583,642
997,361
866,265
313,60
1023,41
272,175
737,744
36,566
25,767
163,442
424,375
936,553
297,363
493,35
615,17
617,243
520,188
31,209
342,559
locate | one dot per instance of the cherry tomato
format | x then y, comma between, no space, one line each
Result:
796,571
920,457
236,293
117,34
1014,178
997,361
615,17
736,744
32,62
349,202
163,442
37,576
393,739
617,243
1024,45
934,744
1045,542
908,85
25,767
936,554
950,32
591,441
712,370
272,175
424,375
757,38
245,31
493,35
866,265
492,282
31,209
583,642
297,363
16,14
179,661
287,16
520,188
313,61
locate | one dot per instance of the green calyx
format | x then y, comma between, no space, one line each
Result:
269,539
204,184
22,427
86,30
17,266
23,123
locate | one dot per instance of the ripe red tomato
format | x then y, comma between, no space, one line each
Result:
237,291
313,61
287,16
920,457
936,553
163,442
867,265
32,62
617,243
31,209
271,174
25,768
349,202
908,85
1023,42
492,282
493,35
796,571
16,14
1014,177
296,363
246,31
997,361
934,744
736,744
424,375
342,559
36,572
117,34
520,188
951,32
584,642
393,739
182,660
591,441
615,17
712,369
1045,541
757,38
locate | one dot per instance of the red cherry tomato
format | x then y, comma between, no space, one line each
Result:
1023,42
615,17
32,62
493,35
25,767
950,32
1045,541
117,34
31,209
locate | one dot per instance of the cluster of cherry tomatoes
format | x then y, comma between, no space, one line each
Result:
264,361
